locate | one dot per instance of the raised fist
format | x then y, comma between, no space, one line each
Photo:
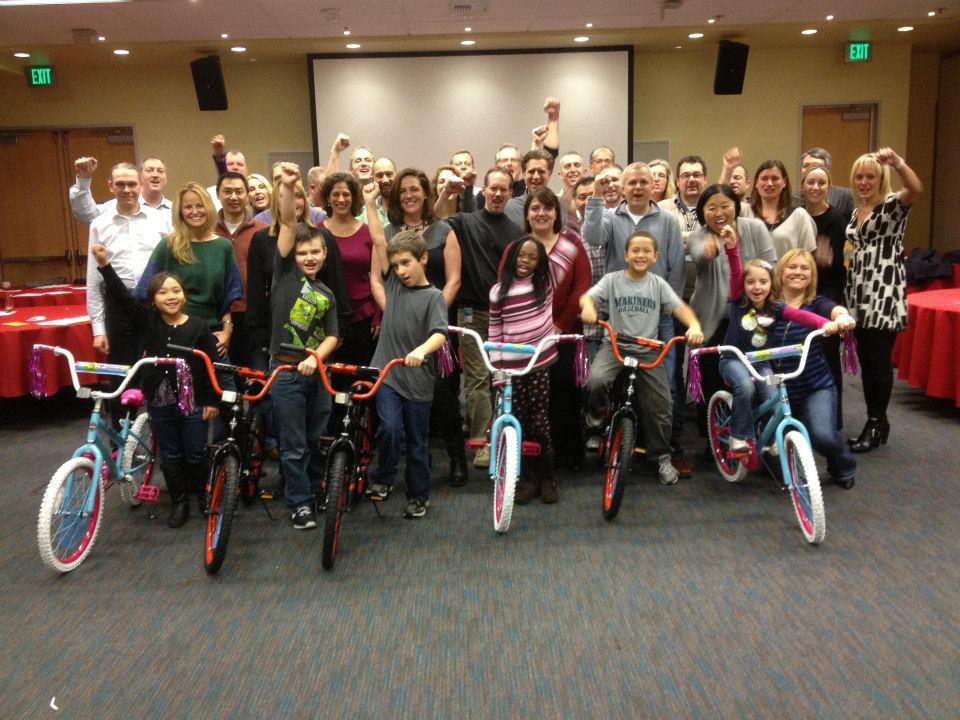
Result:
86,167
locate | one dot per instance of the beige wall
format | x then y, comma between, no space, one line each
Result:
948,157
921,142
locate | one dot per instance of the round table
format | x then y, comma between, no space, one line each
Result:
927,353
57,295
22,328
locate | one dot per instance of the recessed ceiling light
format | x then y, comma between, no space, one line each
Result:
905,28
808,31
353,46
102,38
468,42
346,32
238,49
711,21
581,38
468,29
589,25
695,36
21,55
677,47
932,13
829,17
121,51
224,35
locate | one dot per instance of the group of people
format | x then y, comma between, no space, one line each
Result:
373,263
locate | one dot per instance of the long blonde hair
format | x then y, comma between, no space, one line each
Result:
789,256
671,188
868,160
181,239
304,216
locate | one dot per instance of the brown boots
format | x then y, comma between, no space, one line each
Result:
536,479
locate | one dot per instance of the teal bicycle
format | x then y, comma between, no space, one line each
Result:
72,504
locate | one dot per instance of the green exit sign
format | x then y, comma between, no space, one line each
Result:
859,51
40,75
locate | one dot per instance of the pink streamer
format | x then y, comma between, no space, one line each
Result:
185,387
445,364
38,378
694,383
848,355
581,367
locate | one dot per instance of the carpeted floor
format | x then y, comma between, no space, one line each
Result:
699,601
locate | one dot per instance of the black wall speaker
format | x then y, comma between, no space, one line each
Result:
731,67
208,81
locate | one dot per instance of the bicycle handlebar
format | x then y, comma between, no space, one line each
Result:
85,366
645,342
534,350
768,354
248,373
344,369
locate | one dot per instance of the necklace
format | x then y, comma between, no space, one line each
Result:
418,228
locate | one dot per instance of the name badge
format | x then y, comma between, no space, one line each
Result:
467,315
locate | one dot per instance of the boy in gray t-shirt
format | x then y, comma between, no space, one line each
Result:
414,326
635,300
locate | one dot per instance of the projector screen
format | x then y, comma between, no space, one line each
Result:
417,109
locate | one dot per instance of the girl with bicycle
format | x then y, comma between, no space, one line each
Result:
521,311
180,436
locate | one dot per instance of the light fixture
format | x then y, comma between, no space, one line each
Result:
468,29
808,31
102,38
468,42
905,28
346,32
695,36
353,46
21,55
829,17
238,49
121,51
224,35
711,21
677,47
933,13
589,25
581,38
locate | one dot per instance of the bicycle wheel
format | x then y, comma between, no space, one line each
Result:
223,505
65,532
251,481
139,454
718,430
338,489
505,479
619,455
805,487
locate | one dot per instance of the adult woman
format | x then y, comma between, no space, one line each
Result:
663,185
813,395
410,207
203,261
770,200
876,284
831,273
719,208
259,192
570,278
342,200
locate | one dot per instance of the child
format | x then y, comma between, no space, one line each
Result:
636,299
413,309
180,438
303,314
521,311
752,312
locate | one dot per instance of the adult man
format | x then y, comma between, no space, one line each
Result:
571,170
227,160
537,167
315,177
600,158
508,158
483,236
153,179
383,173
839,196
234,221
614,192
740,183
462,162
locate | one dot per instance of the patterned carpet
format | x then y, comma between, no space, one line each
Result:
699,601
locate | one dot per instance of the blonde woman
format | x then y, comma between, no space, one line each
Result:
663,184
259,192
203,261
876,280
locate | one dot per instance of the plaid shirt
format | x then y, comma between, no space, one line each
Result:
597,255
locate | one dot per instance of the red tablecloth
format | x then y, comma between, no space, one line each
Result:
41,297
939,284
20,330
927,353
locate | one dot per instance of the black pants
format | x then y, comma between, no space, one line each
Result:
874,348
357,349
445,417
241,347
125,348
566,424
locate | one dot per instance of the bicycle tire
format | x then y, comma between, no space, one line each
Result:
619,456
804,485
224,479
250,486
139,449
505,477
65,534
718,430
338,489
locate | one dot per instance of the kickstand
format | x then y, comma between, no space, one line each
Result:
266,508
376,508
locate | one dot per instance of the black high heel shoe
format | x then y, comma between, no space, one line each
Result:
875,432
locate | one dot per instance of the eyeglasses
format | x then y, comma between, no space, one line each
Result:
691,176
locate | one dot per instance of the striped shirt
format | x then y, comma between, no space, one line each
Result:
519,319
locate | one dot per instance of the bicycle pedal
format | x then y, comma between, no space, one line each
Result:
148,493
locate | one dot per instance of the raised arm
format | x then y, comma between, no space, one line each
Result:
379,263
341,143
449,187
82,204
731,159
286,206
218,143
911,183
551,106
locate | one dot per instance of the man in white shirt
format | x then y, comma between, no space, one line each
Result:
571,170
153,175
130,232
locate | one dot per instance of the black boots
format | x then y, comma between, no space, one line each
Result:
875,433
458,467
196,483
176,481
548,489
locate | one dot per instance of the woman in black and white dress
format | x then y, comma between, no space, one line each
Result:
876,285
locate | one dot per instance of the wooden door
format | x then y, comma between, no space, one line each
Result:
847,131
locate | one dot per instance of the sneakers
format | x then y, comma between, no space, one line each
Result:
593,442
378,492
302,517
738,446
773,450
668,473
320,503
416,508
482,458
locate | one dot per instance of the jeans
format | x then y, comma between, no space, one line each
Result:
747,395
403,423
179,437
302,410
818,412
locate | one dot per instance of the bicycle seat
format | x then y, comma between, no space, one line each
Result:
131,398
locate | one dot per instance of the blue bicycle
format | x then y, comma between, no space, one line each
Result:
799,471
72,504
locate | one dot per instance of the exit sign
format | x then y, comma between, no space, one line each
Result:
40,75
858,51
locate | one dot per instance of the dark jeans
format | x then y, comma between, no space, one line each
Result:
403,424
302,410
818,411
876,370
179,437
747,395
260,360
710,380
831,353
